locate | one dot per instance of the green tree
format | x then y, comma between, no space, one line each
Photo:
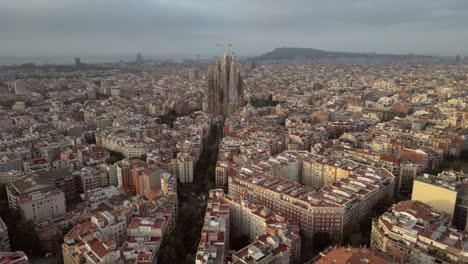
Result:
114,157
7,102
209,185
322,240
239,242
90,138
26,239
3,193
356,239
112,160
181,245
169,118
189,259
168,254
263,103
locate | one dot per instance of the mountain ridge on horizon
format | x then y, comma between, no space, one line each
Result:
292,53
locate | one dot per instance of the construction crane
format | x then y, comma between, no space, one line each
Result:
224,45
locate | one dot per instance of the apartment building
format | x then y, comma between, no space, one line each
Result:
445,192
168,183
130,147
248,154
183,167
330,209
10,162
273,238
284,165
408,172
123,173
145,236
96,196
429,158
63,180
27,185
319,171
148,183
221,174
414,232
36,165
214,242
307,168
89,178
120,231
350,255
263,226
82,244
40,206
10,176
403,170
266,249
110,225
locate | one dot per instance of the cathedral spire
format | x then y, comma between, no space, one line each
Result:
225,89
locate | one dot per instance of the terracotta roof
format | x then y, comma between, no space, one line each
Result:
98,247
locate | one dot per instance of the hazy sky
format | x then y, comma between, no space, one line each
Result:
54,27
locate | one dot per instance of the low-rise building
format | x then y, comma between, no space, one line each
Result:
145,236
83,245
110,226
350,255
36,165
10,162
10,176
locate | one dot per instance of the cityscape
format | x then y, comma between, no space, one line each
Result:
225,151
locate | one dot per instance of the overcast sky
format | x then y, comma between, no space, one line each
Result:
55,27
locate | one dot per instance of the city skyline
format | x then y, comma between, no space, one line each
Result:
161,27
233,132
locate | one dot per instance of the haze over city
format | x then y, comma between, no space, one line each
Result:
183,28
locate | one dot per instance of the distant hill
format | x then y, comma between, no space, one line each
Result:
308,53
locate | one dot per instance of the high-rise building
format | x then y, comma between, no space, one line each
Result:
225,88
139,58
77,61
253,66
183,167
193,74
